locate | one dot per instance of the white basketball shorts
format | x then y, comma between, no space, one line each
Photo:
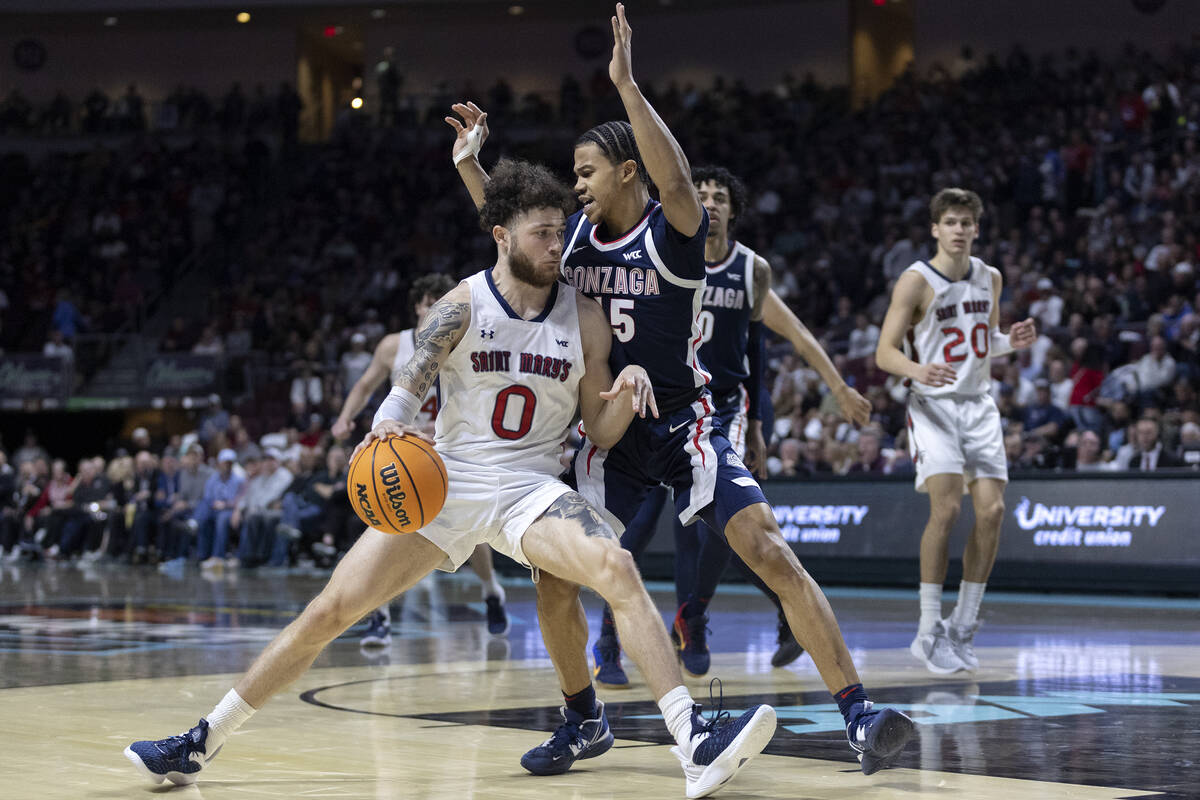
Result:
489,504
956,435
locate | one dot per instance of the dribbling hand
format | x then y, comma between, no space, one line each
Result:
634,380
471,133
935,374
386,428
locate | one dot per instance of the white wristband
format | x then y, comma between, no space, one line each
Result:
474,142
1001,344
400,405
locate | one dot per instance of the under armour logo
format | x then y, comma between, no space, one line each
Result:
484,333
562,342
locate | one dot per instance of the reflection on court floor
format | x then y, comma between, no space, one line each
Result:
1076,697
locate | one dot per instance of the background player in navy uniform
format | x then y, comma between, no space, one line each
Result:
644,261
738,300
391,354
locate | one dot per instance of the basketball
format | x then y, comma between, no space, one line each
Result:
397,484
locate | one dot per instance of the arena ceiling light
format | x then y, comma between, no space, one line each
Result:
243,17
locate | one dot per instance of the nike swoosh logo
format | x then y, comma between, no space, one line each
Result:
674,428
577,249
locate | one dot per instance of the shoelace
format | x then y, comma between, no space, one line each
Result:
719,715
565,735
184,741
696,628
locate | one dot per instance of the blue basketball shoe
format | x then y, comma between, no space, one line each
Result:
178,759
497,617
721,746
609,673
378,633
692,635
576,738
878,736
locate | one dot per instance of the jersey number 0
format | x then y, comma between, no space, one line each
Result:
528,401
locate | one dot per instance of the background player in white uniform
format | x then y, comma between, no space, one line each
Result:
499,435
391,354
949,309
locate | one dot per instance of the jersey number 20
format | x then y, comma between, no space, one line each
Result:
979,342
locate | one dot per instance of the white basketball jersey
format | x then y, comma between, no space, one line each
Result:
510,386
955,329
406,345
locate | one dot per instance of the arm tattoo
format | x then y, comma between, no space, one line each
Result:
572,506
434,342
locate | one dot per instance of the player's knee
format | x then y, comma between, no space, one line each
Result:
942,516
328,615
619,572
991,515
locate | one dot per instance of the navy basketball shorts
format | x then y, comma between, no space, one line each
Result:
686,450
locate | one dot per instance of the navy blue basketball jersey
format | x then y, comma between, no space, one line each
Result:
650,282
725,319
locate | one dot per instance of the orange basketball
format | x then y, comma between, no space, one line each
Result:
397,484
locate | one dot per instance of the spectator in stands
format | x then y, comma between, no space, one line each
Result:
870,460
146,510
1155,370
92,502
307,391
1189,444
1087,453
258,511
1146,453
179,520
209,343
1087,374
1061,384
30,451
355,361
1042,417
215,511
863,338
340,525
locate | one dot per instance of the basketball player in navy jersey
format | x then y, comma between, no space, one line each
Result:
738,300
644,262
391,354
517,352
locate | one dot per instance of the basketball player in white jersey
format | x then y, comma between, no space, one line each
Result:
517,352
391,354
949,309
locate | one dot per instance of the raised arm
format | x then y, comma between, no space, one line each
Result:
439,333
607,406
662,155
780,319
910,296
470,135
368,382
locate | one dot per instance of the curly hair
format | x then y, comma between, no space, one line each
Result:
953,197
518,186
435,284
732,184
615,140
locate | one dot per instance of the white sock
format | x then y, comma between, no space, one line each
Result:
386,610
931,607
493,589
676,706
970,595
226,718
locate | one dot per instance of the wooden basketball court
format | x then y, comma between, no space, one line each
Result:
1079,697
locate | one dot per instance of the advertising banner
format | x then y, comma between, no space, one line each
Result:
34,377
1113,520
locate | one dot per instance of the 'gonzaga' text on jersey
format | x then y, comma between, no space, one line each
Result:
725,318
955,330
650,281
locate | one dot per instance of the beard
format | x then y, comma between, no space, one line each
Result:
524,270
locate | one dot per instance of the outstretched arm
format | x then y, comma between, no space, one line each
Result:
607,406
439,333
780,319
662,155
470,135
356,400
